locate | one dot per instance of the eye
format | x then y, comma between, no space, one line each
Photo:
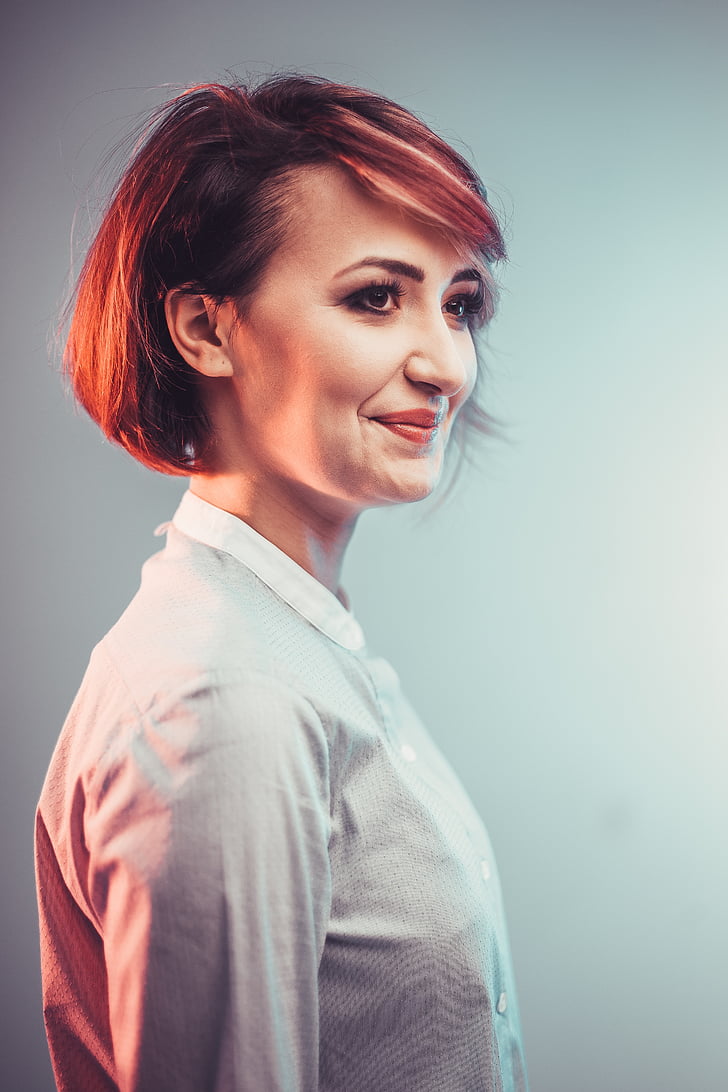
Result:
466,307
456,307
379,298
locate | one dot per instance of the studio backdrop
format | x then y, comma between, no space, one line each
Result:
560,620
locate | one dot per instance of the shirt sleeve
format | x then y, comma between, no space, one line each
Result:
207,835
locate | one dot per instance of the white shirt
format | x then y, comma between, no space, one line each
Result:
256,872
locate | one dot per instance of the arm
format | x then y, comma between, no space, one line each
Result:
209,875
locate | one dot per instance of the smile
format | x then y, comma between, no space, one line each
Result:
417,434
420,426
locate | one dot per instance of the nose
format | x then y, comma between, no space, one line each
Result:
442,359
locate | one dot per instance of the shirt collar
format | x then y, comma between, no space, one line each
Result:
215,527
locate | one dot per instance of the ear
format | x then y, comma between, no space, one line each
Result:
200,330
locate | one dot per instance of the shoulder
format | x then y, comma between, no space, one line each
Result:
203,620
192,669
197,608
207,746
189,714
189,718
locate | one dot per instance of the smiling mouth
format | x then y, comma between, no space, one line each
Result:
414,433
418,426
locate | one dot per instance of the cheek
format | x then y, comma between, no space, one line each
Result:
313,360
350,366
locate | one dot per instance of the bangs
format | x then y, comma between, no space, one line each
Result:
427,178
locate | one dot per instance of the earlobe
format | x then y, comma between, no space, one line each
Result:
200,331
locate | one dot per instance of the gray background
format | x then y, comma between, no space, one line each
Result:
561,622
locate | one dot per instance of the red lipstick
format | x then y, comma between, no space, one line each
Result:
420,426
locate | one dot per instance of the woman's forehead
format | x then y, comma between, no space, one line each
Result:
333,223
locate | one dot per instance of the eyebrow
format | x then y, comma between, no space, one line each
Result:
406,269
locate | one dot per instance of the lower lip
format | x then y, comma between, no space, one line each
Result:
416,434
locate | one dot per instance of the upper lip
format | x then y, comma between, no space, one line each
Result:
425,418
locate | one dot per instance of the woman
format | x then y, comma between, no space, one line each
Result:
255,870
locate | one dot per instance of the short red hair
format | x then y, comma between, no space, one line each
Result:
200,206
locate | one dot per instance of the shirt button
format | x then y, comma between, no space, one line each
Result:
485,869
409,754
502,1004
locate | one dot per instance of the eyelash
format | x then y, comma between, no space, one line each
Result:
473,300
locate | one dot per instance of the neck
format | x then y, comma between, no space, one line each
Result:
315,539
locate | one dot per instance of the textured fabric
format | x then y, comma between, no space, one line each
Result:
256,872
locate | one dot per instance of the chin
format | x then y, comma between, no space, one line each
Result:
408,491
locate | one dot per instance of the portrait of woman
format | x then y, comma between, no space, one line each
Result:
255,869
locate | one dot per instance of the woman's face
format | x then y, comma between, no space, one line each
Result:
353,356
